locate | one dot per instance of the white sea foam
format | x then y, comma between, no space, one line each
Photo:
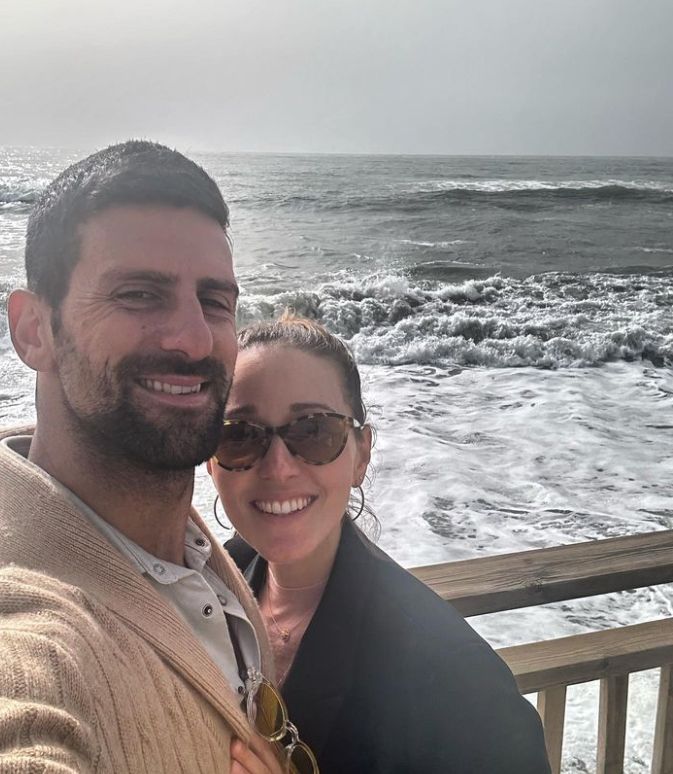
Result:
552,321
16,189
665,250
504,185
448,243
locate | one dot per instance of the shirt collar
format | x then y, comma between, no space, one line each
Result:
197,546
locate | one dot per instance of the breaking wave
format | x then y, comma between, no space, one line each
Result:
19,192
554,320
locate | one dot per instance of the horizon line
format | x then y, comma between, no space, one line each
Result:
388,154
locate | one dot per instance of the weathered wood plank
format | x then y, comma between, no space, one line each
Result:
593,656
662,752
612,724
509,581
551,704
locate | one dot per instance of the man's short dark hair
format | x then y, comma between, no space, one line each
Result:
136,172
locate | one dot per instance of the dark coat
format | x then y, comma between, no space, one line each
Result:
389,678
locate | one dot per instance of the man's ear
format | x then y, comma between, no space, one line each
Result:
30,329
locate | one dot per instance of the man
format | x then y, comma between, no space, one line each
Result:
125,630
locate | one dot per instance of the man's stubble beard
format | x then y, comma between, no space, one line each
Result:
109,424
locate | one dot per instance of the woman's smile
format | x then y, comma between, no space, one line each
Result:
285,506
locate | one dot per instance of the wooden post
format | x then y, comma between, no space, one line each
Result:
551,704
612,724
662,753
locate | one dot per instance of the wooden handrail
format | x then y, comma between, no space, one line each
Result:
592,656
509,581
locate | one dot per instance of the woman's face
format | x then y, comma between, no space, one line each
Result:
273,385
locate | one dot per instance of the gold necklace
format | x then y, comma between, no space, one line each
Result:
285,634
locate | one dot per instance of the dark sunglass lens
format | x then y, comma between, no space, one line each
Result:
302,760
318,439
270,717
241,445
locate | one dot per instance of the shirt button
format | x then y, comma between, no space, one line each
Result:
200,542
207,611
159,568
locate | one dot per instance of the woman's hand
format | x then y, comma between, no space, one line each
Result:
259,757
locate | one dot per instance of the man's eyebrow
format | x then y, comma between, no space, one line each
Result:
225,286
168,278
141,275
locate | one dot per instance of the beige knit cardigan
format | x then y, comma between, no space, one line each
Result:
97,672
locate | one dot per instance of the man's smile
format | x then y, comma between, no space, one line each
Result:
171,388
177,390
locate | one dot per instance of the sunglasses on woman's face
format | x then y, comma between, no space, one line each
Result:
314,438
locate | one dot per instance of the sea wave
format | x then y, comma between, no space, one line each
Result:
523,197
446,243
663,250
506,185
19,192
525,194
554,320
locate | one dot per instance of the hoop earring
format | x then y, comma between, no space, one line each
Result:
362,503
225,527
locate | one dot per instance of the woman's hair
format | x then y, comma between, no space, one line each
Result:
309,336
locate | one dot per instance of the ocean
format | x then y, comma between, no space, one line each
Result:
513,321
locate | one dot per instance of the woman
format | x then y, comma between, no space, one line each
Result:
379,674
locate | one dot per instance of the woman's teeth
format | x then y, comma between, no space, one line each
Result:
171,389
282,506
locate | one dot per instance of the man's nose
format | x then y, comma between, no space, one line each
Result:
187,331
278,464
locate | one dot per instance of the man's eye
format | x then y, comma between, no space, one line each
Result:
217,304
136,296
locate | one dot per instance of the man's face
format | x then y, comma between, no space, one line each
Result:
145,339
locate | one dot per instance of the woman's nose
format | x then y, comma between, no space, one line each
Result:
278,463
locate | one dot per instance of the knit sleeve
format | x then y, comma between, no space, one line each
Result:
47,710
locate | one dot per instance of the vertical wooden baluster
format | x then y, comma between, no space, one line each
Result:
612,724
551,704
662,753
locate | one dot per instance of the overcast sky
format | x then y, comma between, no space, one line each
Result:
353,76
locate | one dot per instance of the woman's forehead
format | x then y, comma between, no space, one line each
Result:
287,378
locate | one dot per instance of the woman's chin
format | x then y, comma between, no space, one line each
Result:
288,554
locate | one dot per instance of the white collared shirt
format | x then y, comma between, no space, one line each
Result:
208,606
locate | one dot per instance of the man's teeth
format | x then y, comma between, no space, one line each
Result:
171,389
284,506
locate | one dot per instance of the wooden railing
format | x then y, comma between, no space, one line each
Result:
510,581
